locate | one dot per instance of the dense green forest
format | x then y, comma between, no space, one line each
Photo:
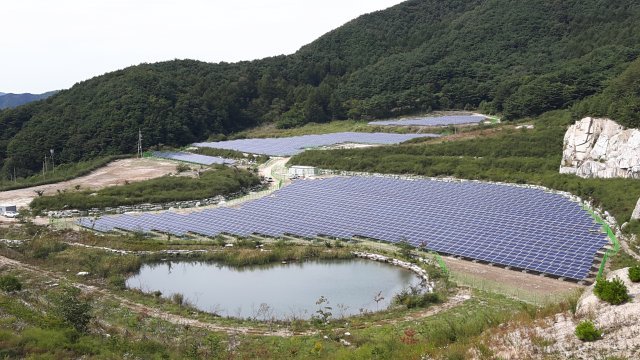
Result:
619,100
515,58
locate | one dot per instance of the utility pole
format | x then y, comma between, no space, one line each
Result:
53,163
139,143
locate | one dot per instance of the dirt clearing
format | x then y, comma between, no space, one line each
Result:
114,173
529,287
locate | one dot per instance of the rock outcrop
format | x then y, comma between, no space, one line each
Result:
636,212
554,337
601,148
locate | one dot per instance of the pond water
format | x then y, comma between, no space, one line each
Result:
278,291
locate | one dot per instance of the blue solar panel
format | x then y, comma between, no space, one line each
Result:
432,121
293,145
513,226
193,158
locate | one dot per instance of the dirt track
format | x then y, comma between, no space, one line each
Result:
114,173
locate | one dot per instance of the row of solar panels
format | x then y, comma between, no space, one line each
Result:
288,146
473,220
432,121
193,158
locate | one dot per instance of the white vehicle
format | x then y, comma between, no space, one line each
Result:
10,214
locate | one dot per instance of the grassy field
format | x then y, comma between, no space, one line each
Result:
219,180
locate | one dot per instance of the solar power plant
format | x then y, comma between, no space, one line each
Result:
433,121
293,145
193,158
511,226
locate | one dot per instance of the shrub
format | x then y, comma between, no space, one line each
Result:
413,297
178,299
72,308
118,282
42,248
634,273
614,292
10,283
180,168
586,331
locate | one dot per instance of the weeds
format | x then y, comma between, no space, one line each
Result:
10,283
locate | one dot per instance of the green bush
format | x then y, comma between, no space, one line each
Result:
71,307
118,281
180,168
413,297
634,273
10,283
42,248
614,292
586,331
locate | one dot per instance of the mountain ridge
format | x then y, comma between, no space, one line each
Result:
11,100
516,59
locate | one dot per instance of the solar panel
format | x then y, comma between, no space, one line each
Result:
432,121
293,145
193,158
512,226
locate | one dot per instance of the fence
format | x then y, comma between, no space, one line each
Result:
612,237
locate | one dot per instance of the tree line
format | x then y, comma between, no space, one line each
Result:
518,59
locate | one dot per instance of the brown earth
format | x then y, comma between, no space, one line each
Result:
517,282
114,173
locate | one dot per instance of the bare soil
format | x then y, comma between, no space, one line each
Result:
115,173
531,283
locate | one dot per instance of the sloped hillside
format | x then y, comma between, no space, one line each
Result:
517,58
555,336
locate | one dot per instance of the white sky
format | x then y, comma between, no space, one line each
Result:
52,44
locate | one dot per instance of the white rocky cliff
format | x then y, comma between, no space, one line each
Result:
601,148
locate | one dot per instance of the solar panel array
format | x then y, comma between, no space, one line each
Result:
512,226
293,145
433,121
193,158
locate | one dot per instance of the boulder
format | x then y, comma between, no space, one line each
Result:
601,148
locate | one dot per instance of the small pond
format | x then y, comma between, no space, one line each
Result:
278,291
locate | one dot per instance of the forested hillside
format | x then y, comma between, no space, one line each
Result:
620,100
515,58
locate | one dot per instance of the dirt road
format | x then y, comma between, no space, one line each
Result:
114,173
